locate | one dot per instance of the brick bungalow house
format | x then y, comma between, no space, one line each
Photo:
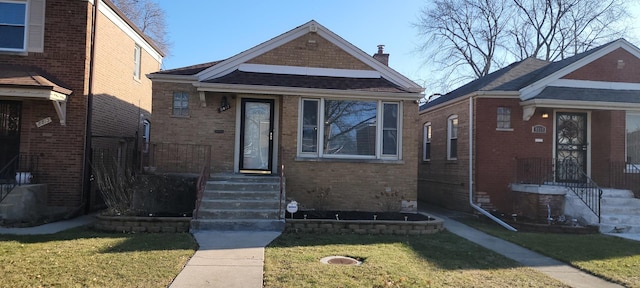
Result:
533,122
340,121
63,92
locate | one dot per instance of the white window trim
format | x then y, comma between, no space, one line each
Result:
137,61
426,140
301,127
449,137
26,27
320,137
146,132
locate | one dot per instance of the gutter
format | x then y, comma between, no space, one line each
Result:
474,206
86,189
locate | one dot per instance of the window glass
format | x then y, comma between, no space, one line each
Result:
453,138
427,142
633,138
350,127
180,104
310,126
12,25
390,129
504,118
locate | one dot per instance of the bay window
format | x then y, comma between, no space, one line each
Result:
355,129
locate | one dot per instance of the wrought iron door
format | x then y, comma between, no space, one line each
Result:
571,147
9,131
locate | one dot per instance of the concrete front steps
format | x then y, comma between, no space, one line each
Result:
237,202
620,212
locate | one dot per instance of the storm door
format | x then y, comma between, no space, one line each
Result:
571,147
256,136
9,132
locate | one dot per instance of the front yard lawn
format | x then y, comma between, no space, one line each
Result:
606,256
86,258
438,260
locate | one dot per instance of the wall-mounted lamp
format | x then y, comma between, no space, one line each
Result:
545,115
224,104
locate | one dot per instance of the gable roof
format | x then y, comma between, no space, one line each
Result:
492,81
236,71
532,80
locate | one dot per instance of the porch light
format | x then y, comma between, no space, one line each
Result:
545,115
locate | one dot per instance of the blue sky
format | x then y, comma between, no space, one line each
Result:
217,30
205,30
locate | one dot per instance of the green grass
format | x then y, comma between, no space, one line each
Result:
438,260
86,258
606,256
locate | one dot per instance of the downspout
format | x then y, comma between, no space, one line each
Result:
87,140
474,206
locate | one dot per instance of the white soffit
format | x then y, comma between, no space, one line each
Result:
535,88
308,71
595,84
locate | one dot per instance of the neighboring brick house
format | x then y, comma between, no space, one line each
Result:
63,92
532,122
338,119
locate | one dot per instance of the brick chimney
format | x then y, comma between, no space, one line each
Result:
381,56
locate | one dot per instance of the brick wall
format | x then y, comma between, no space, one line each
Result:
497,151
204,125
354,185
66,59
310,50
60,148
608,141
441,181
119,99
607,68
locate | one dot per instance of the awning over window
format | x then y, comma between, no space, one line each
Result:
30,83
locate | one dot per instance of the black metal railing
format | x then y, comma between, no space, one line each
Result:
625,175
585,188
202,182
541,171
19,170
175,157
534,170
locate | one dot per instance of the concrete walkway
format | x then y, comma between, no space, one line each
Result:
226,259
50,228
551,267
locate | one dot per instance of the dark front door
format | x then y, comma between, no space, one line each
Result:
571,146
256,136
9,132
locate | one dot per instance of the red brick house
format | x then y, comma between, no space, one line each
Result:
64,92
339,120
534,122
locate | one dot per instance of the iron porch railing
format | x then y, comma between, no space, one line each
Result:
19,170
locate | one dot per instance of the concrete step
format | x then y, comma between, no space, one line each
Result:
240,195
270,203
616,193
619,228
237,225
243,214
245,178
615,219
241,186
620,209
620,201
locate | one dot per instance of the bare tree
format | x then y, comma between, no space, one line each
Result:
150,19
463,34
556,29
471,38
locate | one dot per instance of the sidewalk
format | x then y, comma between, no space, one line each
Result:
551,267
226,259
50,228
